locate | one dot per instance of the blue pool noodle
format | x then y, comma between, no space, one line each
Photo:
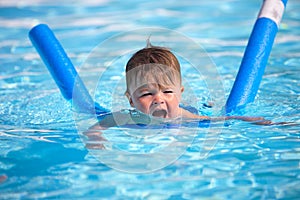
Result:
253,63
62,70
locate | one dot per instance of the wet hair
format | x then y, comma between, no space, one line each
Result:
154,64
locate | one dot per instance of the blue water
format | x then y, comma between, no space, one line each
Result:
42,153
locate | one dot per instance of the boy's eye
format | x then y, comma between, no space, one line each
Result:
146,94
168,91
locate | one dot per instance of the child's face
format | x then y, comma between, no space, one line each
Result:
155,99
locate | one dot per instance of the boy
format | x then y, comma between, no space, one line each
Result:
154,89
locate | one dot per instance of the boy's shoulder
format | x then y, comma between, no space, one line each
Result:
123,117
114,119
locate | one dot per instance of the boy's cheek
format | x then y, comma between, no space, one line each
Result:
140,105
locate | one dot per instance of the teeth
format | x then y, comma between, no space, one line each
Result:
159,113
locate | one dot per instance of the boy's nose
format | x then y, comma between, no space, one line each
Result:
158,99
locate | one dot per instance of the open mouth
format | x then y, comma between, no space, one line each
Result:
160,113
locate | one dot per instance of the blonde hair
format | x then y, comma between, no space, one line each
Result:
154,65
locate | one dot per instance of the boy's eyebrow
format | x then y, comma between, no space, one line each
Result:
147,87
144,87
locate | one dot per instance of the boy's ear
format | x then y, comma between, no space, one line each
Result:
182,89
129,98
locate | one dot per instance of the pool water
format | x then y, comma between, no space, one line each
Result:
43,155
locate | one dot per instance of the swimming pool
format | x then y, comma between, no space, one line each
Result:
42,155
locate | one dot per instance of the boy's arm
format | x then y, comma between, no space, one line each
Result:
94,135
94,138
255,120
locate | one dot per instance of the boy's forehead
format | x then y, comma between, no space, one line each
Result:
153,85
